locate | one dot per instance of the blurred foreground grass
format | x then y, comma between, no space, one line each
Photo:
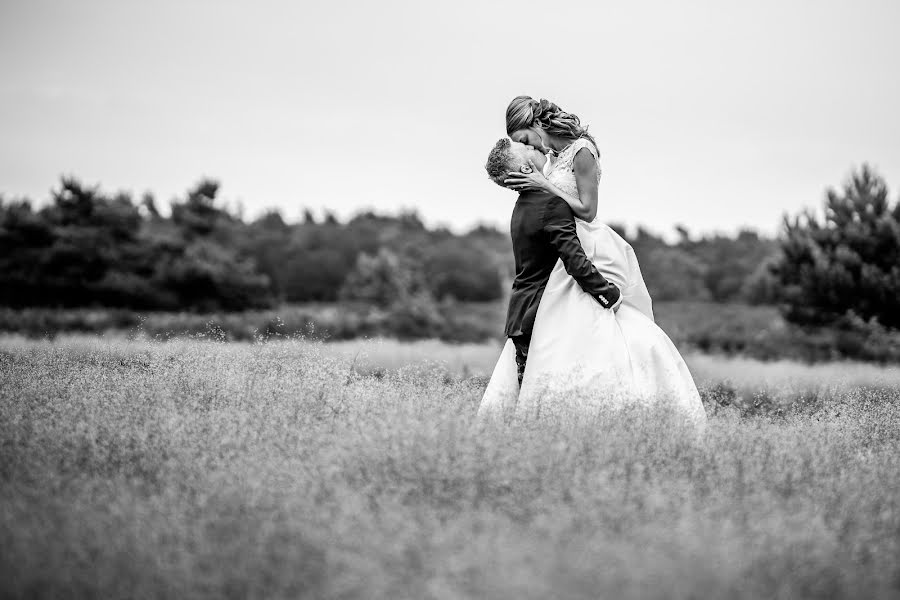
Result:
357,470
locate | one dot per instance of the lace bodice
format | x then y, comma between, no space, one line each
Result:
562,172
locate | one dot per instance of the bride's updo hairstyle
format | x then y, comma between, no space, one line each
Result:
524,112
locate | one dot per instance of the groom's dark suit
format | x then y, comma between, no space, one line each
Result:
543,230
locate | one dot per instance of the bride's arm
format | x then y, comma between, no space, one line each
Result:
585,204
586,180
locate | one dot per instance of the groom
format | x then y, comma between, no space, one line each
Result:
543,230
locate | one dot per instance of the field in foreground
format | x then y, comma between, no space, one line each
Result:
291,469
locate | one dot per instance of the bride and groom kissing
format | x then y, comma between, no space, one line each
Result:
581,335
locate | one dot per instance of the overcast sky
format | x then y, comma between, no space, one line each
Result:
712,114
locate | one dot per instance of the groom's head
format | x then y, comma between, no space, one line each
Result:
507,156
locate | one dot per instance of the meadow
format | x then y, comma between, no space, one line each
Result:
710,327
296,469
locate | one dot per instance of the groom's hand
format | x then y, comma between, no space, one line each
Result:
618,304
611,299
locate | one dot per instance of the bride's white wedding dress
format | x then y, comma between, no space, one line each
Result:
584,358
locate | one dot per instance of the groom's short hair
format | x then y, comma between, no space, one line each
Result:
499,162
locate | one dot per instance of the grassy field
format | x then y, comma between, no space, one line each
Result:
728,329
188,469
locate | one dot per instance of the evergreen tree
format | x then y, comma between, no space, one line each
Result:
848,261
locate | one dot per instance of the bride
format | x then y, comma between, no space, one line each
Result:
583,359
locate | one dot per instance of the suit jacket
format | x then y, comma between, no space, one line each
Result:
543,230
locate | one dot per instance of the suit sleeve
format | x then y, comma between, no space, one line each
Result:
559,224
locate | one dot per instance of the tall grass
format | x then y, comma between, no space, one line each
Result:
727,329
192,470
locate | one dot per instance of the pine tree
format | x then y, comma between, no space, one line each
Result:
849,261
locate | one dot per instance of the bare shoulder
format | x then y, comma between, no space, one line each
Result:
585,161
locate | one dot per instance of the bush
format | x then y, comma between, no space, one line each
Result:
383,280
761,332
462,272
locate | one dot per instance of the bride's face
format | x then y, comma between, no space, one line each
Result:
531,136
524,152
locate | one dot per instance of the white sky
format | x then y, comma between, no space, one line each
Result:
715,114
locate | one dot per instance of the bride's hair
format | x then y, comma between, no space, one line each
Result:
525,111
499,162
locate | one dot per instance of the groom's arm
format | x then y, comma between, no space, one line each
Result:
559,223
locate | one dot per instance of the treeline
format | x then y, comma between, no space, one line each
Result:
86,247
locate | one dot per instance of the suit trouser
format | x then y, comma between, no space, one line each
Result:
521,342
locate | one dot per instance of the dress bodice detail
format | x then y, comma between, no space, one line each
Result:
562,173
